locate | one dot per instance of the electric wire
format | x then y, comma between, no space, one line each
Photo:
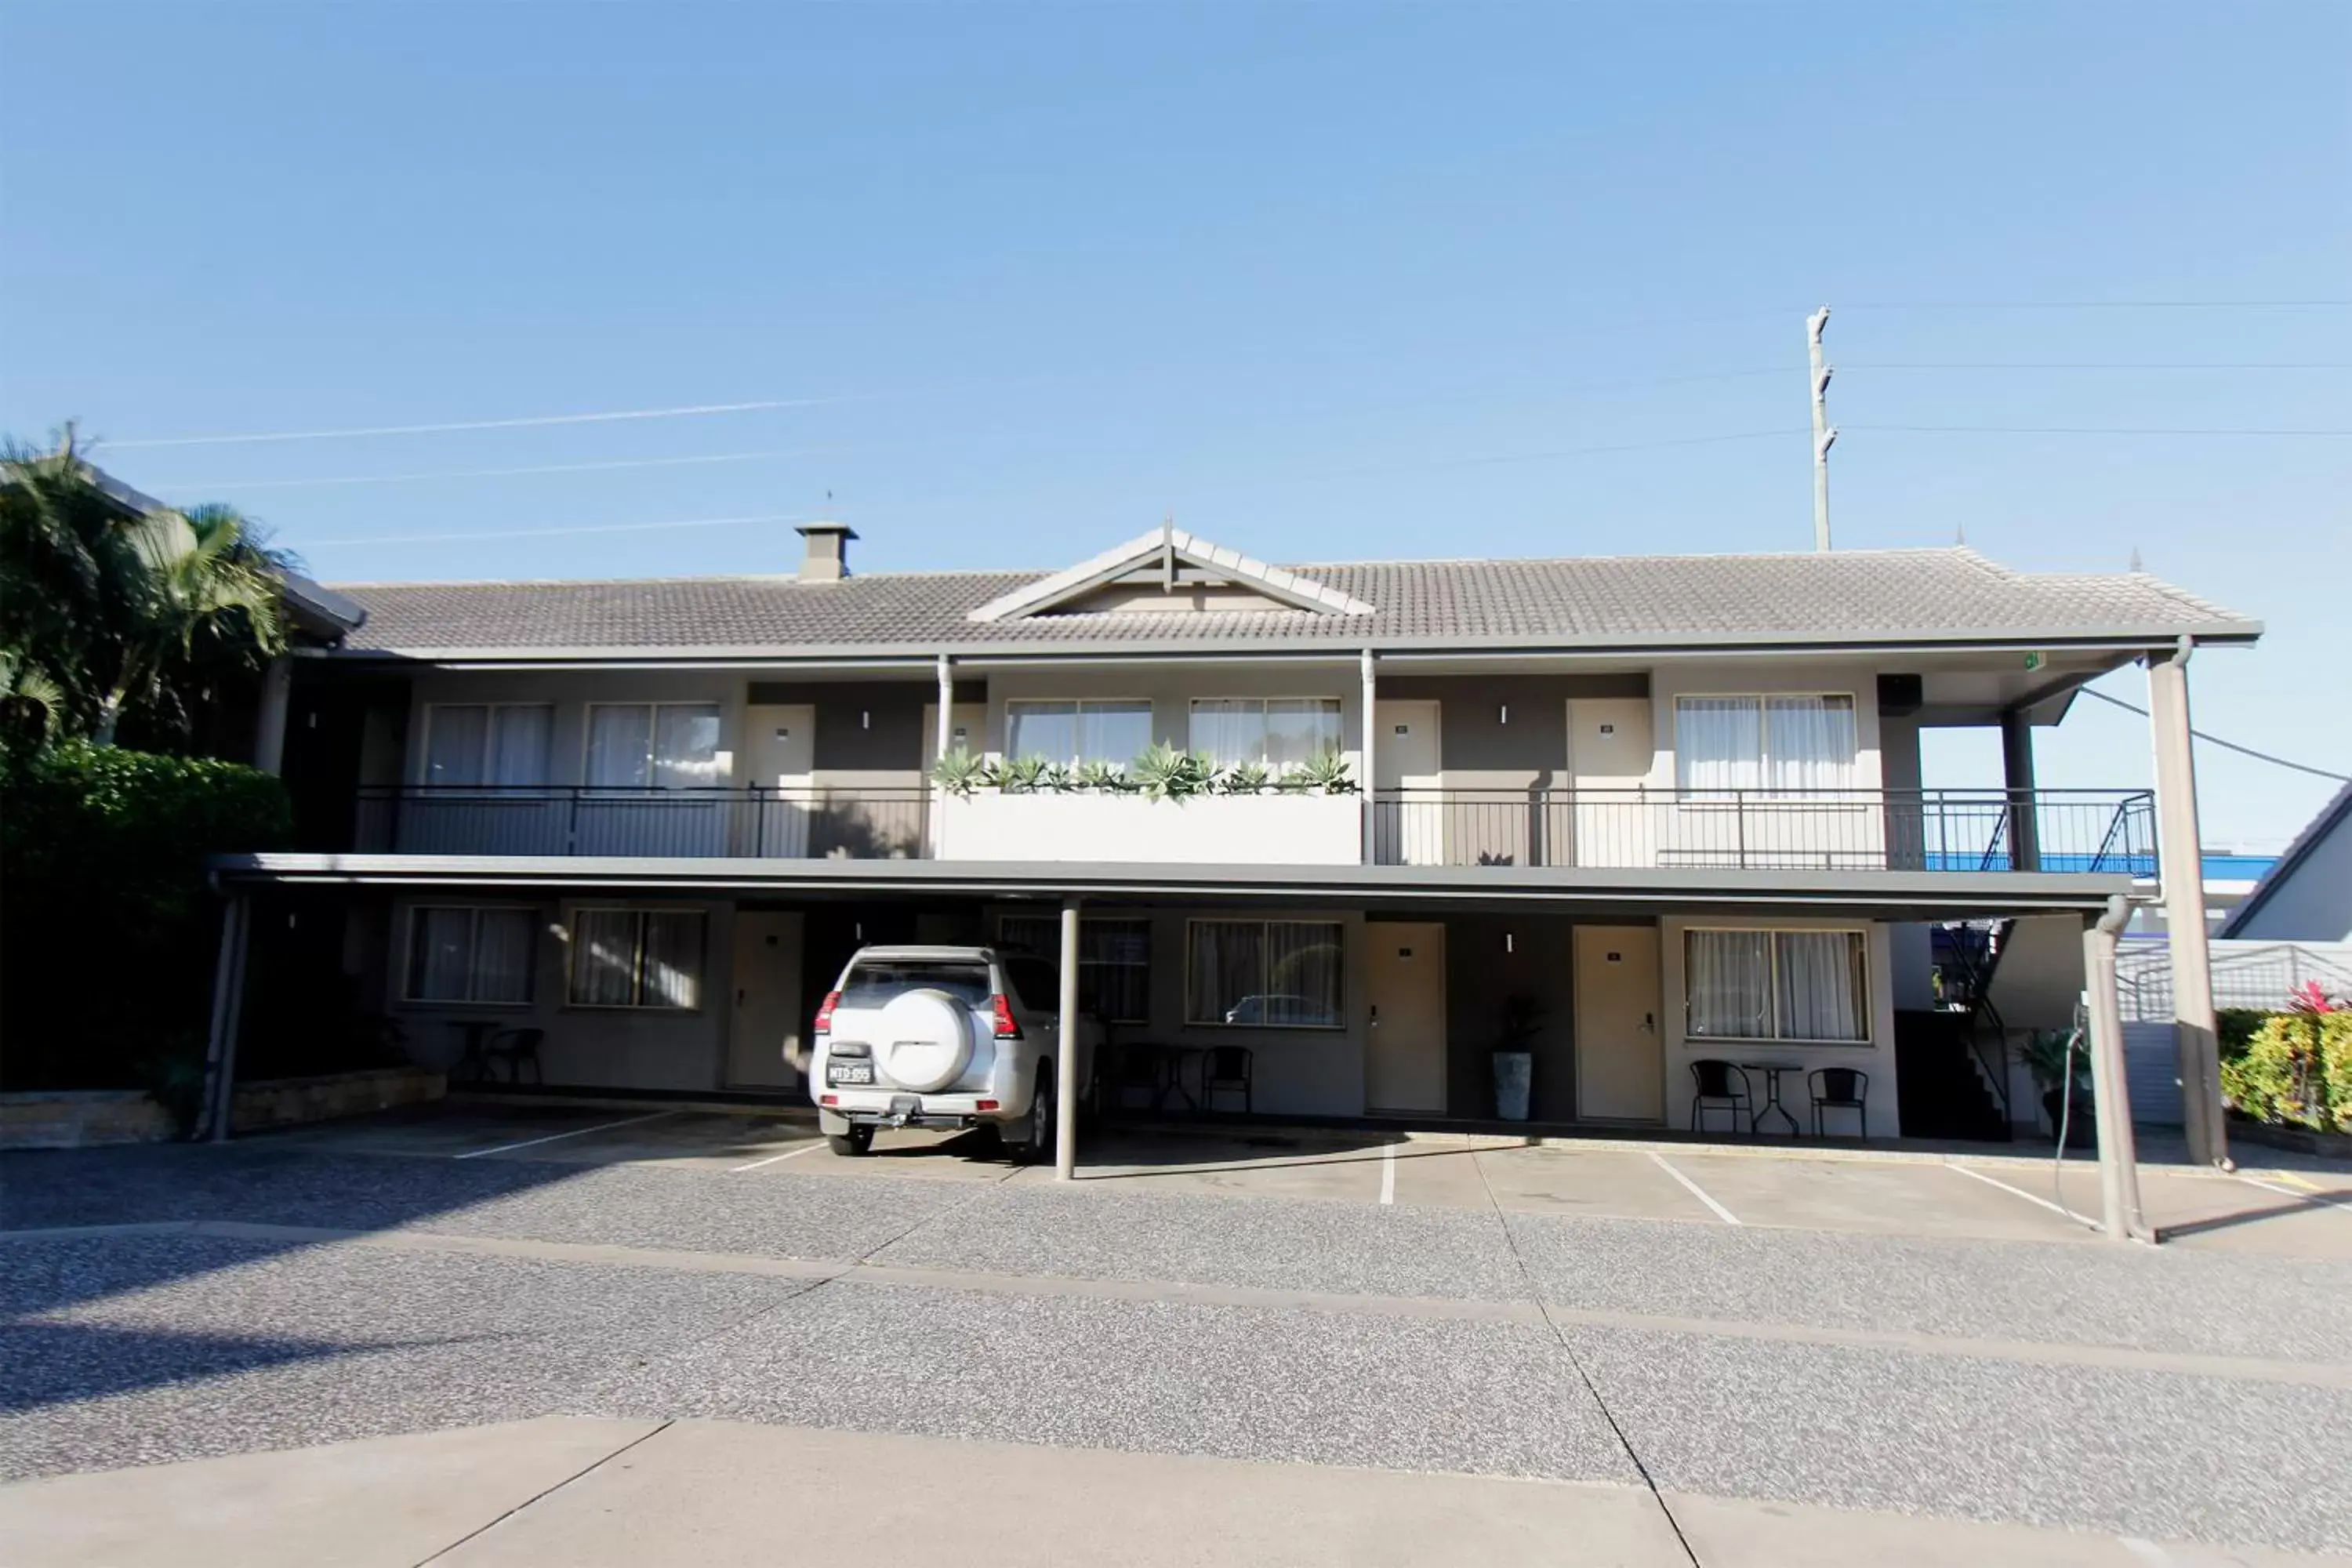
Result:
2225,745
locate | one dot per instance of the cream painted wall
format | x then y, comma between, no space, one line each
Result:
1876,1058
600,1046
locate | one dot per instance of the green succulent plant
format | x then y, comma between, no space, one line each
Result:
960,772
1163,773
1101,776
1244,778
1022,776
1326,772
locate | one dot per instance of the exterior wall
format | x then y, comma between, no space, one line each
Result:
1489,958
1876,1058
603,1047
1506,731
1240,830
2314,901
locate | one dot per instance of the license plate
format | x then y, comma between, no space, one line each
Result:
849,1072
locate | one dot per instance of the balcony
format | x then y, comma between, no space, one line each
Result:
819,822
2108,831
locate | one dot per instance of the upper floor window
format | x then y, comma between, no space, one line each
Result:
1280,731
487,742
1115,731
1783,744
654,745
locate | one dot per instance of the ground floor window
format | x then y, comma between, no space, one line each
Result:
1280,975
1114,961
1777,986
637,958
469,953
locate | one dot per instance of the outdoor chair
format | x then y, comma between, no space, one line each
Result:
514,1047
1721,1086
1226,1068
1840,1089
1136,1071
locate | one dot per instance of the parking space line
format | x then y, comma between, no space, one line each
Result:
1701,1193
787,1154
553,1137
2057,1209
2317,1198
1388,1172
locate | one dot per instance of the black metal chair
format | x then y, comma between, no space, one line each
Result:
1721,1085
1135,1071
1226,1070
1840,1089
514,1047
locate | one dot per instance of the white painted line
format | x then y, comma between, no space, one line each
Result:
553,1137
787,1154
2317,1199
1725,1215
2020,1191
1388,1172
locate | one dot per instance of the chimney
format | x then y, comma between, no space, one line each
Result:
827,557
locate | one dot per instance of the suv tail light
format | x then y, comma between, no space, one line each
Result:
824,1012
1006,1029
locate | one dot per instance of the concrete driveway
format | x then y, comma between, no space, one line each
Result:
1717,1355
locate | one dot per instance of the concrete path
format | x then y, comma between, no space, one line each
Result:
591,1492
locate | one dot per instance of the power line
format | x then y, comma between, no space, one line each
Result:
553,533
2100,305
493,424
2217,741
2098,364
2085,430
494,473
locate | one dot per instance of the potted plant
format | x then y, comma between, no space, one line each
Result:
2061,1063
1513,1058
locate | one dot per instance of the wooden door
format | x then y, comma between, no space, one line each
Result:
1404,1042
1408,767
1619,1046
766,1032
781,741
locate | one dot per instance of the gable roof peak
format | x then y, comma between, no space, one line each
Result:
1169,548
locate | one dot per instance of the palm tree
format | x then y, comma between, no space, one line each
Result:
105,606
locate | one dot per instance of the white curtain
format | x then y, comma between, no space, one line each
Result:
1821,995
1728,979
454,744
621,745
1047,729
605,957
1718,743
1113,733
1229,729
685,745
1299,729
672,970
518,744
439,945
1810,742
501,967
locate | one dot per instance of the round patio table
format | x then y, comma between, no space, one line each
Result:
1772,1101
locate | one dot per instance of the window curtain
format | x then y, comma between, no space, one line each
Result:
1727,978
1113,733
455,742
1229,729
685,745
439,941
672,971
1302,968
1821,996
1811,742
604,957
1227,962
519,744
1047,729
1300,729
501,965
1114,961
620,746
1718,743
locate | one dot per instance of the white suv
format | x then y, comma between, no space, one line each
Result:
942,1036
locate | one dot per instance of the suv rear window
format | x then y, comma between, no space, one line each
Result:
873,983
1038,983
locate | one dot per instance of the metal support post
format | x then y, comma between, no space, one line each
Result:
228,1007
1066,1077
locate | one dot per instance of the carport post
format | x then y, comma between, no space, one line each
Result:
2119,1211
228,999
1066,1076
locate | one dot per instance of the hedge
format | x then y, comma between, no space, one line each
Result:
2296,1071
108,931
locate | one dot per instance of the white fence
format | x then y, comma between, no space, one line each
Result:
2245,975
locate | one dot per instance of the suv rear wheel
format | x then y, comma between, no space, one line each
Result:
1033,1143
859,1140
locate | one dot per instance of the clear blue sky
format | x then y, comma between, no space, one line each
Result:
1326,280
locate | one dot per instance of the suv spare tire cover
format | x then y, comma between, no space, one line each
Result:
924,1039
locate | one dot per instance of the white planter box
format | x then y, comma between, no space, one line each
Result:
1201,830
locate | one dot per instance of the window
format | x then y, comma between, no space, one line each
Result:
1113,963
1115,732
637,958
1281,974
1280,731
874,981
1777,986
1778,745
652,745
487,742
461,954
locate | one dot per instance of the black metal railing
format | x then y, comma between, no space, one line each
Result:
2111,831
758,822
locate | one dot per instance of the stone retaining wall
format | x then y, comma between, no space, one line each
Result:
288,1101
82,1118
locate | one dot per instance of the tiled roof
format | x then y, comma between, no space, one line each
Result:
1894,596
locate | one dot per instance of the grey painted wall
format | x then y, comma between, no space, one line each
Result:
1482,970
1530,747
2313,902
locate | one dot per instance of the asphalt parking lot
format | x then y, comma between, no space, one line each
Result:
1788,1329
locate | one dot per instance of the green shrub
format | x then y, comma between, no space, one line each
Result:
2295,1071
2237,1026
108,931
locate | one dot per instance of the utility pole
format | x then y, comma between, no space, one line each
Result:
1824,433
